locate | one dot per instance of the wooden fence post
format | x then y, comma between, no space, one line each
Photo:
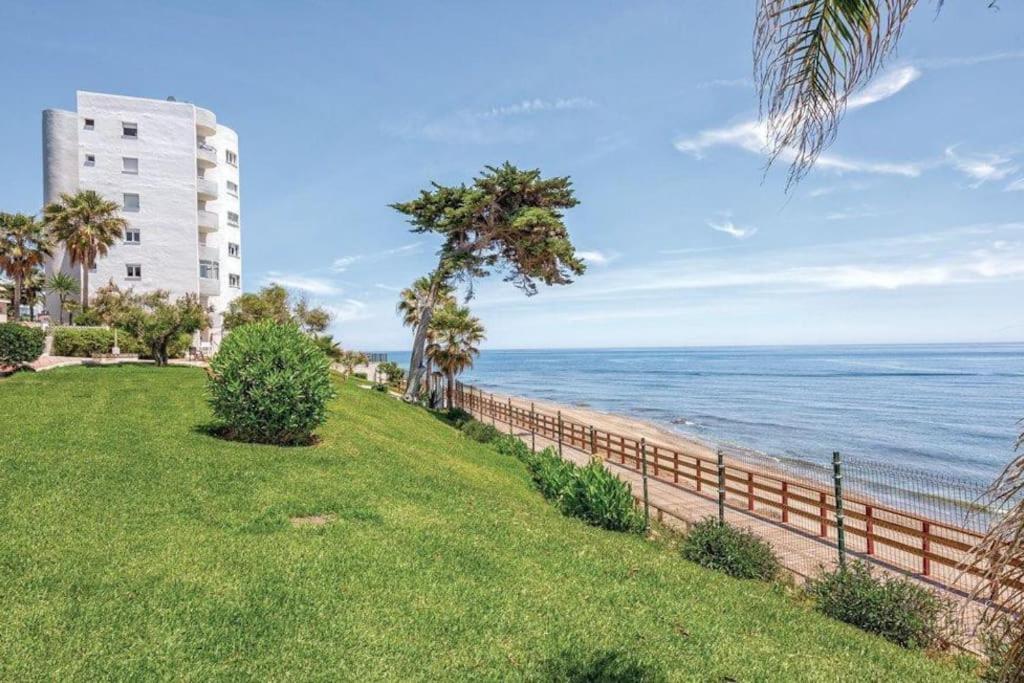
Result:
837,476
823,512
750,491
869,529
559,433
593,441
493,412
643,469
510,415
785,502
926,563
721,486
533,428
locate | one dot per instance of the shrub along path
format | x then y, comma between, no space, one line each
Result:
135,545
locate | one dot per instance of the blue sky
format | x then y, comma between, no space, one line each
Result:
911,228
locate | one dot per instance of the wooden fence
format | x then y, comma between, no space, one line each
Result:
881,532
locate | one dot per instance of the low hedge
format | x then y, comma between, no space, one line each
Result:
725,548
480,431
895,608
20,344
84,342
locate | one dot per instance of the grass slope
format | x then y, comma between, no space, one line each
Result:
134,545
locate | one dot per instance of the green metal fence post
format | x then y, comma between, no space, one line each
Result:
837,475
721,487
643,469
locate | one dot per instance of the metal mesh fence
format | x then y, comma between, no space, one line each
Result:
900,520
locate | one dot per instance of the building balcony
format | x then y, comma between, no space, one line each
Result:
206,155
206,122
209,252
207,189
208,221
209,286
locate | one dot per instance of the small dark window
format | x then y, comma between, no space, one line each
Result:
132,236
90,124
134,271
130,130
90,159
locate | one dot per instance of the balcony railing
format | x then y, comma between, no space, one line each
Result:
206,122
208,221
207,189
206,155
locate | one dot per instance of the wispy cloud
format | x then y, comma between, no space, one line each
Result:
500,123
958,256
304,283
851,213
597,258
752,136
727,83
733,230
348,310
537,105
342,263
969,60
1015,186
981,168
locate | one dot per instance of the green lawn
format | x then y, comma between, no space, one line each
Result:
135,546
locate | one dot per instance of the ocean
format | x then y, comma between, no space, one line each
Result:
946,409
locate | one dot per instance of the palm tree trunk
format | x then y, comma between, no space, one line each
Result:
451,390
16,313
85,285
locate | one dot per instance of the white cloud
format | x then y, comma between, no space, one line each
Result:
752,135
969,60
348,310
981,168
536,105
491,125
303,283
342,263
730,228
597,258
727,83
1015,186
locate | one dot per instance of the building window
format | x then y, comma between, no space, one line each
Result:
134,271
230,157
130,165
232,188
234,250
234,280
131,202
130,130
232,219
90,124
209,270
90,159
132,236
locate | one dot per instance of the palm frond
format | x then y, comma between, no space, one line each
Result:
810,56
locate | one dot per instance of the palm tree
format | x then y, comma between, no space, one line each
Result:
810,56
24,246
89,225
414,301
64,287
453,346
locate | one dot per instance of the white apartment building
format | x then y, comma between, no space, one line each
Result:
174,171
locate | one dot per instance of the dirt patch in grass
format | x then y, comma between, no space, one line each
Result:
311,520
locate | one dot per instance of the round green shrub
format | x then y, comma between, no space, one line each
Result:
270,383
725,548
480,431
20,344
897,609
598,497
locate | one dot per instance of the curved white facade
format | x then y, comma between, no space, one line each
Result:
174,170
